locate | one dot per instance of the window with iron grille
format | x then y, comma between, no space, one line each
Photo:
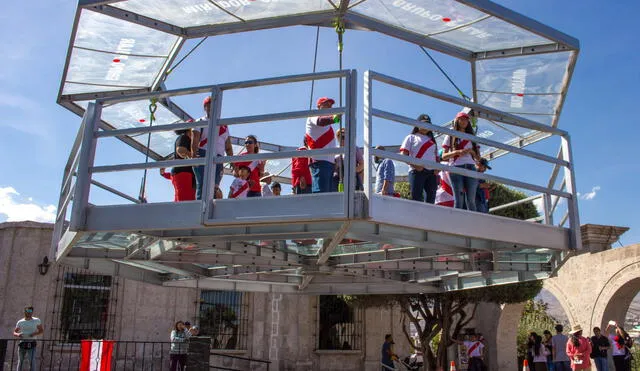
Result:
84,306
224,317
340,325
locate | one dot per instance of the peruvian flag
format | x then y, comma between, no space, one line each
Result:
96,355
444,195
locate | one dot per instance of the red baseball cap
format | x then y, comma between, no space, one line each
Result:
462,114
325,99
206,100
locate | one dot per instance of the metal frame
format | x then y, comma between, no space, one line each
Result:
428,253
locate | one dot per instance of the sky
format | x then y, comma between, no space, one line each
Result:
38,133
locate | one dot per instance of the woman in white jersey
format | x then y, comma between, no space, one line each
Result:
421,145
464,154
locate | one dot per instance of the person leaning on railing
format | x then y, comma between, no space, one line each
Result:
256,167
462,153
421,144
179,347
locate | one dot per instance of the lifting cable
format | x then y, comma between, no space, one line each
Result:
143,184
339,27
170,70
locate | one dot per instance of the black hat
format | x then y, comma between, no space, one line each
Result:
187,323
485,163
424,118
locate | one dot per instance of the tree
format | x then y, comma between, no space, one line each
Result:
445,314
534,318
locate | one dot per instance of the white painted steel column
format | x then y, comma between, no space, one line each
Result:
572,203
83,178
209,177
368,168
350,143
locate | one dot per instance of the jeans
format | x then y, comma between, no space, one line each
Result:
482,205
254,194
198,171
476,364
31,355
562,366
178,362
464,189
321,176
421,182
621,363
602,363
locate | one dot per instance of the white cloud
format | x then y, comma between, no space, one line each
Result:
591,195
16,209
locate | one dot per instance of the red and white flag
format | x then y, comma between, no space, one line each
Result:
444,195
96,355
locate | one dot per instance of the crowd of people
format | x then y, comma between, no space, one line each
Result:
324,173
574,352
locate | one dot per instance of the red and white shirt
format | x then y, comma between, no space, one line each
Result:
239,188
419,146
255,172
319,137
474,348
223,134
459,144
444,194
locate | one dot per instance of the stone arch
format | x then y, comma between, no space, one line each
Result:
612,302
555,289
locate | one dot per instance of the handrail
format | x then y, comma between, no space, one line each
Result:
228,86
213,353
515,203
469,173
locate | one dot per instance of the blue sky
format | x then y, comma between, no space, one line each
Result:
599,114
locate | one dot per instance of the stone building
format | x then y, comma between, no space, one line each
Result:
283,329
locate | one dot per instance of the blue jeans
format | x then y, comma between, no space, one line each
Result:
321,176
421,182
198,171
299,191
602,363
254,194
562,366
464,189
31,355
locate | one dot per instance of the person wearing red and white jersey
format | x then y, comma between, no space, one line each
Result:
464,154
256,167
319,134
300,174
199,148
240,185
421,144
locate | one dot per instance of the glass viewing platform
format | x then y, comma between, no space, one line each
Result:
352,241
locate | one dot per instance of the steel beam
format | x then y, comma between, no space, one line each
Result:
330,244
521,51
291,115
139,19
572,203
226,259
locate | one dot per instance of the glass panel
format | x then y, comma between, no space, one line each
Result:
191,13
136,114
102,32
491,34
105,69
421,16
523,85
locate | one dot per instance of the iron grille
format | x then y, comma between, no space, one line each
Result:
84,306
340,325
223,316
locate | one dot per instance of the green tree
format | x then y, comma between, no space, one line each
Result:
534,319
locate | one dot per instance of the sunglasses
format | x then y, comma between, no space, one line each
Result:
29,311
249,142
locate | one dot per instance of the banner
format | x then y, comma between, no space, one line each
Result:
96,355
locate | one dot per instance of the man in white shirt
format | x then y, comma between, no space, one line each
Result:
266,182
26,330
319,135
